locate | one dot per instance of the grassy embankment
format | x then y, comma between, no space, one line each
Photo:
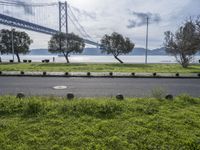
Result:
62,67
55,123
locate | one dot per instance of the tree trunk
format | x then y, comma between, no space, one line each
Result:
66,57
18,58
184,61
119,59
185,65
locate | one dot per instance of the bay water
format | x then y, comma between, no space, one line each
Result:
97,59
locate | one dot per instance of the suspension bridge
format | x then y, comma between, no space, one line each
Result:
46,18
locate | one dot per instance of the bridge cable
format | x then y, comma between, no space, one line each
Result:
81,32
82,28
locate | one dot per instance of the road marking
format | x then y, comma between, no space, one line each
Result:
59,87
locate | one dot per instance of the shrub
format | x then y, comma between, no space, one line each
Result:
64,109
92,108
116,143
187,99
78,108
34,108
9,106
109,109
148,110
148,107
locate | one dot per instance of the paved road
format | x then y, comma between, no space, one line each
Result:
90,87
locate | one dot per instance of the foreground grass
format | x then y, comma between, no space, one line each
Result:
62,67
55,123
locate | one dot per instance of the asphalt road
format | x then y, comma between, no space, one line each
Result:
101,87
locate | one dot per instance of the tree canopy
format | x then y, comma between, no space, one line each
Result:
116,45
21,42
66,44
184,43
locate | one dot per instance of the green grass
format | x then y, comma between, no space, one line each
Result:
62,67
104,123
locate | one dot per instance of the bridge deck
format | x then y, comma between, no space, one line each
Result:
14,22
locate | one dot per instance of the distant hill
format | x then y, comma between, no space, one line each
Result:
87,51
142,51
39,52
92,51
96,51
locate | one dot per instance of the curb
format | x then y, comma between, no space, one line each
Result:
99,74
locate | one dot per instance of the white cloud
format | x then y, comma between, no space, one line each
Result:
114,15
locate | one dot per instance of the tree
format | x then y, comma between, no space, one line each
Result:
197,22
184,44
66,44
21,42
116,45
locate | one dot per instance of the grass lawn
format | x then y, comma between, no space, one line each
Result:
62,67
105,123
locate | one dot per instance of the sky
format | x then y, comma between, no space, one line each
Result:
127,17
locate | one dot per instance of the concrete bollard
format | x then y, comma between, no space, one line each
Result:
47,60
70,96
169,97
120,97
88,74
20,95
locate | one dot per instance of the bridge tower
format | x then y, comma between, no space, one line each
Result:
63,17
